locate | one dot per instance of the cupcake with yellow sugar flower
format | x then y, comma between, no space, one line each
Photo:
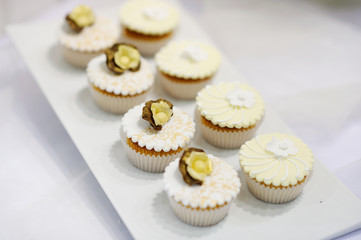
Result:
119,79
85,35
148,24
200,187
185,67
155,133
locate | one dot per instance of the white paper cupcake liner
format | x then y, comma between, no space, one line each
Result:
114,104
273,195
225,139
147,48
78,58
182,90
148,163
199,217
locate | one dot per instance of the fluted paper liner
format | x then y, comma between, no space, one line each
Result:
272,194
197,216
226,139
146,162
187,89
114,104
78,58
146,47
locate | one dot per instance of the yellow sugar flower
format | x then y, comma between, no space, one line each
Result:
82,15
127,57
199,165
161,112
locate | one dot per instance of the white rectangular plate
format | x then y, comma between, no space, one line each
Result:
325,208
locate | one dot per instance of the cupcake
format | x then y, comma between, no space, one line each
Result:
148,24
85,35
229,113
276,166
200,187
155,133
119,79
185,67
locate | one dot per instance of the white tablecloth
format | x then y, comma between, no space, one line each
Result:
303,56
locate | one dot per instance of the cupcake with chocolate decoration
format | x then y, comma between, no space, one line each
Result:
85,35
276,166
119,79
155,133
200,187
229,113
185,67
148,24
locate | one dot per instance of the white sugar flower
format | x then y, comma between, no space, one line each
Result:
240,98
194,52
155,13
282,148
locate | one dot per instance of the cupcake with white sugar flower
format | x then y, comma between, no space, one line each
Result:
276,166
185,67
148,24
200,187
85,35
229,113
119,79
155,133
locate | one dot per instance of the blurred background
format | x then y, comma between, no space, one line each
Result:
22,10
303,56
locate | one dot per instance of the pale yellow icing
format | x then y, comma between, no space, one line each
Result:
149,17
220,105
188,60
218,188
128,83
99,36
277,159
176,133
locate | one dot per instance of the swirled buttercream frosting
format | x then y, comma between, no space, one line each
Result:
99,36
129,83
277,159
188,60
149,17
232,105
218,188
177,132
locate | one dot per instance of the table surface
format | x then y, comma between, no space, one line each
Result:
309,51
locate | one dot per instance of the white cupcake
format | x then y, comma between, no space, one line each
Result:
229,113
154,138
200,187
185,67
276,166
148,24
115,88
85,35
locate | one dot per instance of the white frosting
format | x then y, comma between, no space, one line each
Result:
218,188
128,83
230,104
155,13
99,36
188,59
276,159
149,17
194,53
177,132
